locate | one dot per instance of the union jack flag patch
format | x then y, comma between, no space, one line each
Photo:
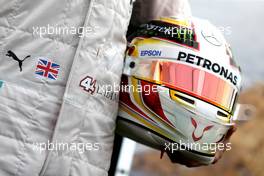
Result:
47,69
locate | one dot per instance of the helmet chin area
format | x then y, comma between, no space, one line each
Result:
152,139
181,124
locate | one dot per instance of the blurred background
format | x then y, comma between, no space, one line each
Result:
241,21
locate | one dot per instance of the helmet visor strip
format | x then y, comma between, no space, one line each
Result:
187,79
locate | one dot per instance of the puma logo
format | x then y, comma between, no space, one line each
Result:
13,55
194,123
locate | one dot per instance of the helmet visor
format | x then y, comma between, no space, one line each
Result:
188,79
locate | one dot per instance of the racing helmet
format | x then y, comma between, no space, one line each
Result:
179,85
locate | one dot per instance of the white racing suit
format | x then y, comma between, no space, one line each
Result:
57,57
47,89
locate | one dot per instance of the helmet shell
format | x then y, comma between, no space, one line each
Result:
179,86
